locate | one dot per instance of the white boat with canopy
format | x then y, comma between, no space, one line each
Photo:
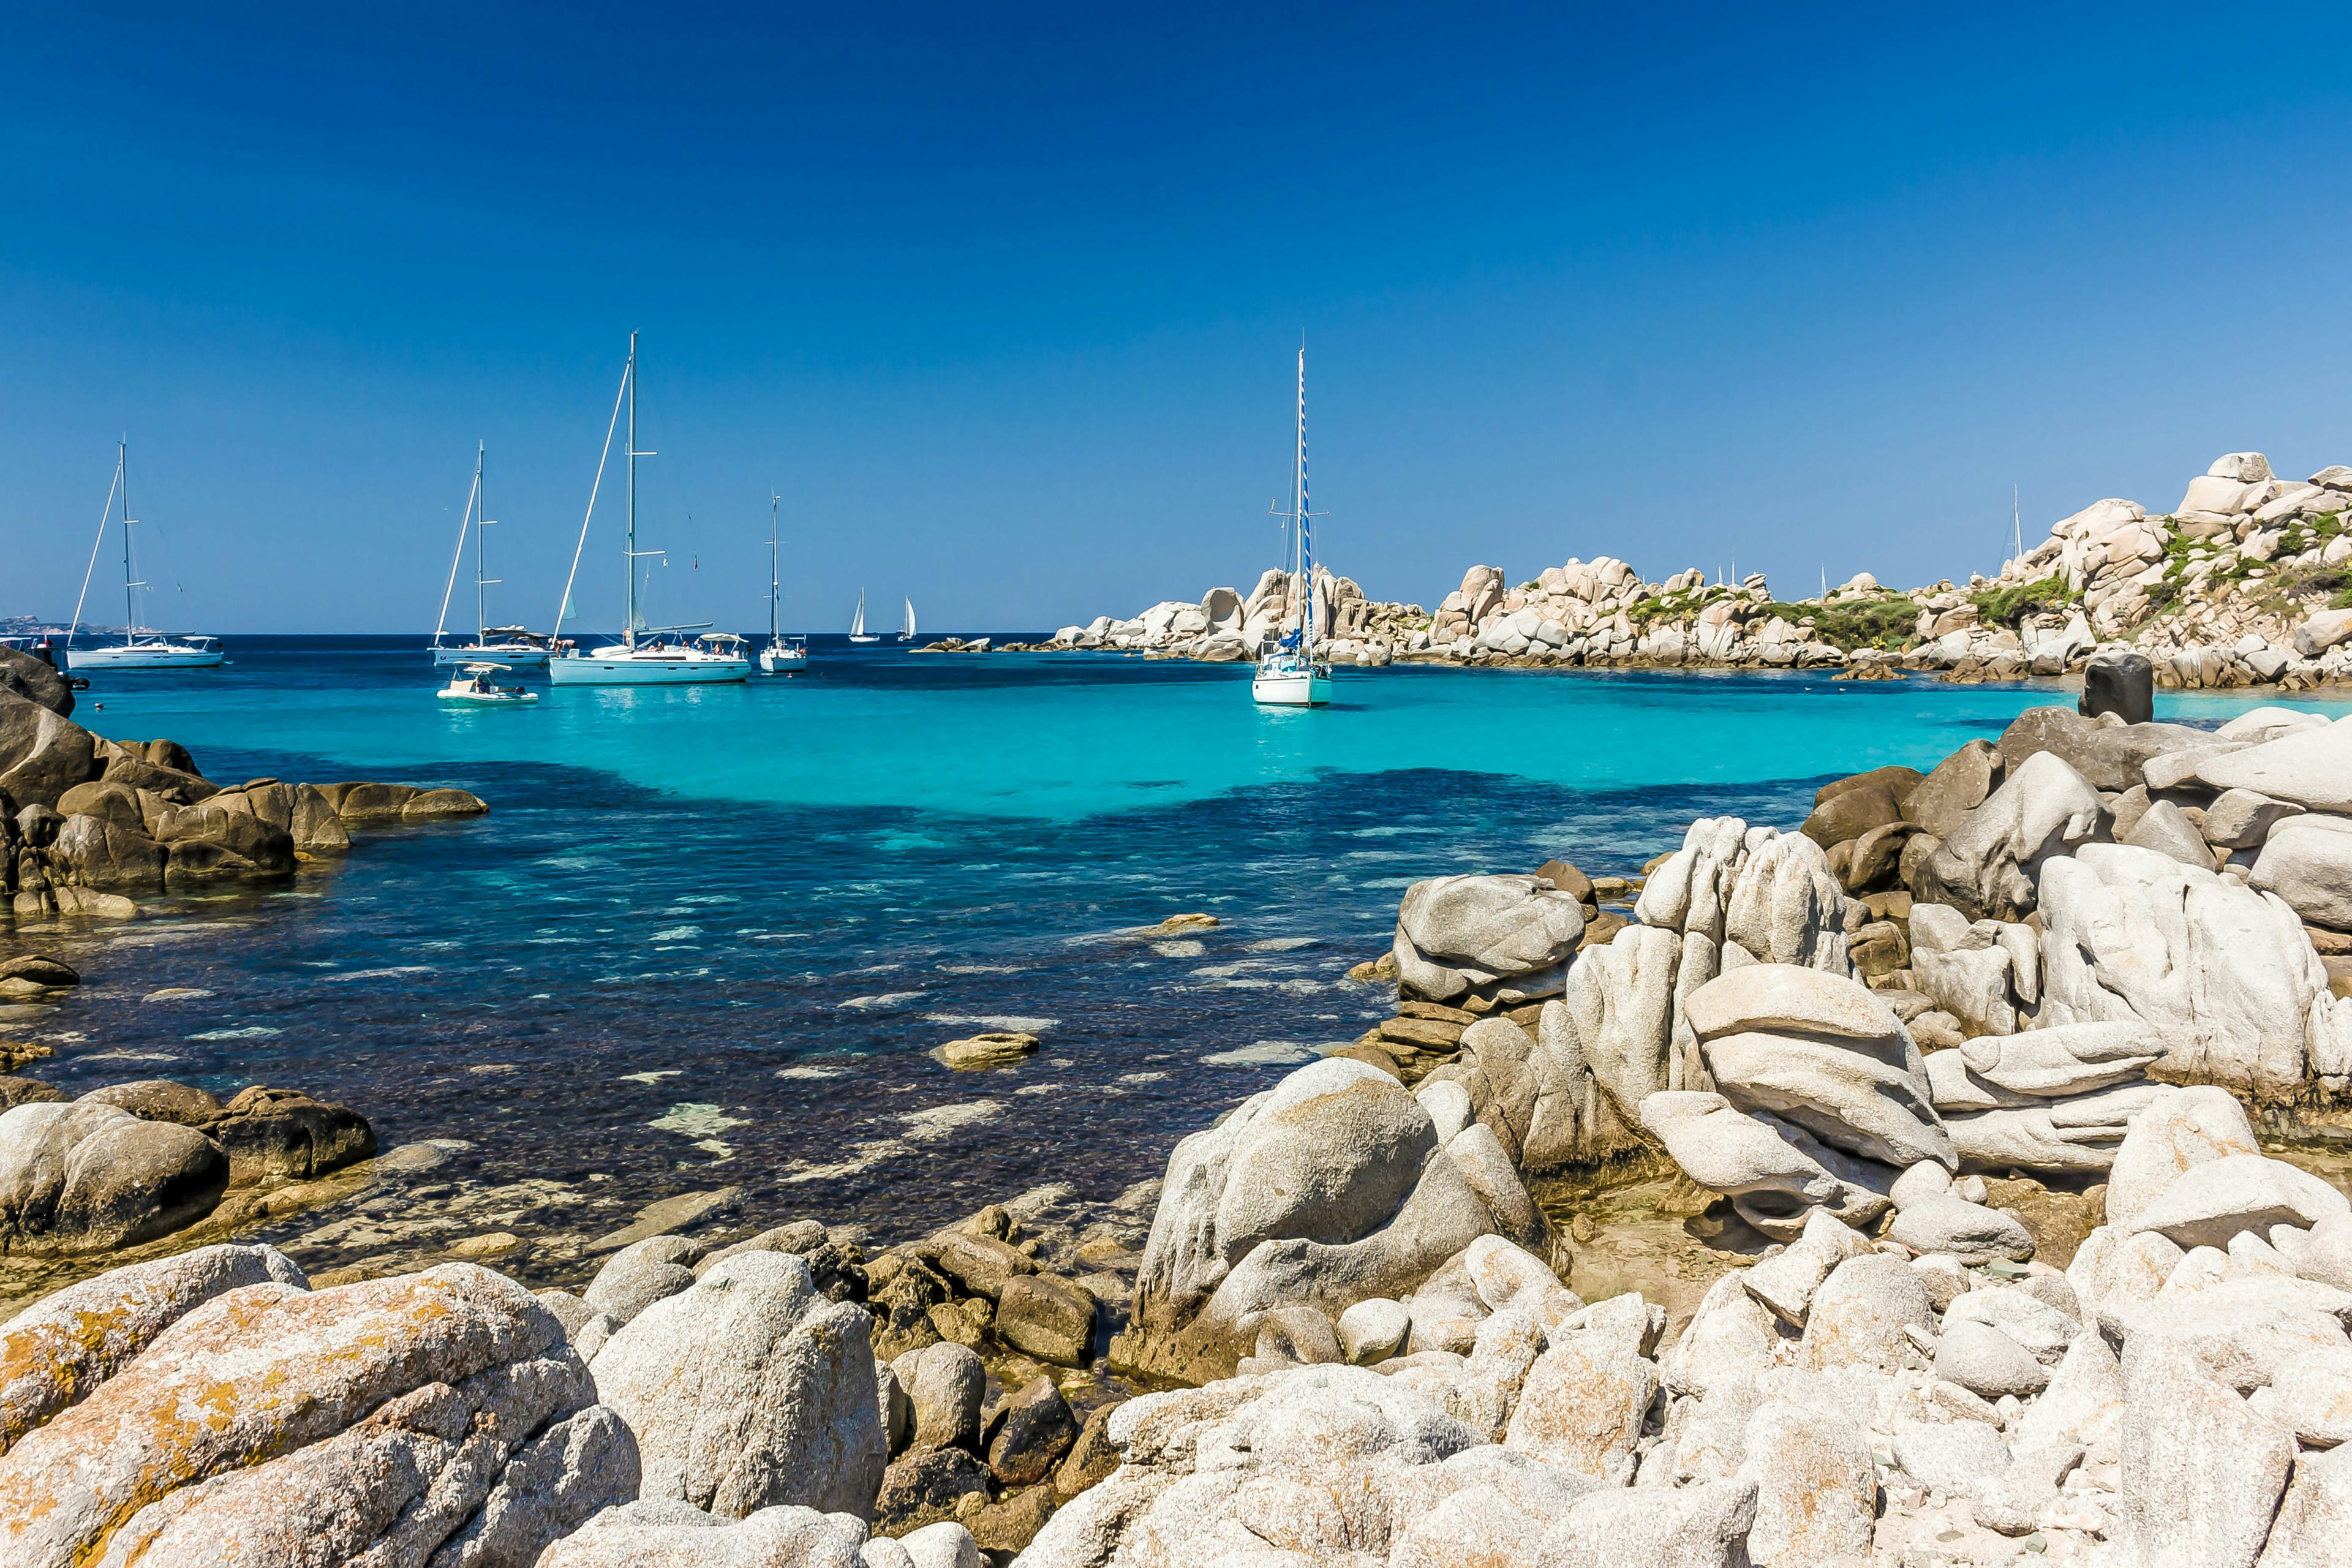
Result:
645,655
473,687
1289,675
783,655
142,647
504,645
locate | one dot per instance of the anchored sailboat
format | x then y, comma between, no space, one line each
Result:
142,647
906,627
857,632
645,655
1290,675
782,655
500,646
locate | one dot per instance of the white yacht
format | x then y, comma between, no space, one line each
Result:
142,647
783,655
857,632
906,627
1290,675
645,655
505,647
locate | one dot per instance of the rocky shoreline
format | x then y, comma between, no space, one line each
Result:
2247,582
1961,1108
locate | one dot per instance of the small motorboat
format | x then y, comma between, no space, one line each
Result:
472,685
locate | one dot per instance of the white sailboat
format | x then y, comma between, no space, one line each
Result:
906,627
142,647
645,655
783,655
857,632
1290,675
501,645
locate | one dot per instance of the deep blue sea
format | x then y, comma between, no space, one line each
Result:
711,933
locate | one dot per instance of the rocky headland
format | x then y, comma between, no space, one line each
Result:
1994,1106
2246,581
91,826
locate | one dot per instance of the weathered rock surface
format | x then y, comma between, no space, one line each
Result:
748,1390
87,1178
1505,937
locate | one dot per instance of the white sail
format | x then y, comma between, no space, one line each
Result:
907,632
857,621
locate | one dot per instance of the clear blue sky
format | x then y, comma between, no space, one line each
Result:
1004,300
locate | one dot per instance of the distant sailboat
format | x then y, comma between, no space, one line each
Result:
142,647
500,646
857,632
665,656
1292,676
783,655
906,629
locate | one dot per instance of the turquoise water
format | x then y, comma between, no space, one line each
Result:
712,934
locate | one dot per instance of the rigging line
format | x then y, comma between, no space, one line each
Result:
456,557
95,545
611,426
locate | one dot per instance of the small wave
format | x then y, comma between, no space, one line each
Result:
980,969
886,999
1278,944
677,933
1010,1021
1266,1053
812,1072
175,993
250,1032
398,969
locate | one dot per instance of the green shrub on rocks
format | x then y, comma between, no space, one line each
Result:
2010,607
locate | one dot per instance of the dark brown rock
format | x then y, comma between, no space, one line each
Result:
2109,755
108,801
1010,1525
1880,948
181,789
1850,813
1033,1430
42,756
40,969
160,1099
1091,1456
1049,1318
1367,1052
167,755
285,1132
1565,877
37,682
1957,787
212,842
432,802
925,1488
367,801
1875,861
1897,780
15,1091
980,1264
2122,684
91,852
1422,1033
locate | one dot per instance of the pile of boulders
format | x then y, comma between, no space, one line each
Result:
88,824
2176,1394
1226,625
134,1162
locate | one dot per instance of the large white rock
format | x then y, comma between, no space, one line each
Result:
2222,973
749,1389
1823,1052
1969,1232
2083,1404
1327,1190
2315,1522
2077,1132
1731,1338
2209,1203
666,1533
1858,1316
1771,1179
2179,1129
1785,906
1508,935
2202,1474
1705,1526
1692,892
1619,1006
2307,862
1817,1488
1991,865
1581,1406
2311,768
2064,1059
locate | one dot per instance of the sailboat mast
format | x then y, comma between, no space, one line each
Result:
629,553
775,576
1306,541
482,617
129,595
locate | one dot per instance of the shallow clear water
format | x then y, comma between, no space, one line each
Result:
710,934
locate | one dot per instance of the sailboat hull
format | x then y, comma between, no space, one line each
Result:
1297,687
518,655
664,668
783,661
144,656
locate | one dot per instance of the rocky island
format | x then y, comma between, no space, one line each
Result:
2247,581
